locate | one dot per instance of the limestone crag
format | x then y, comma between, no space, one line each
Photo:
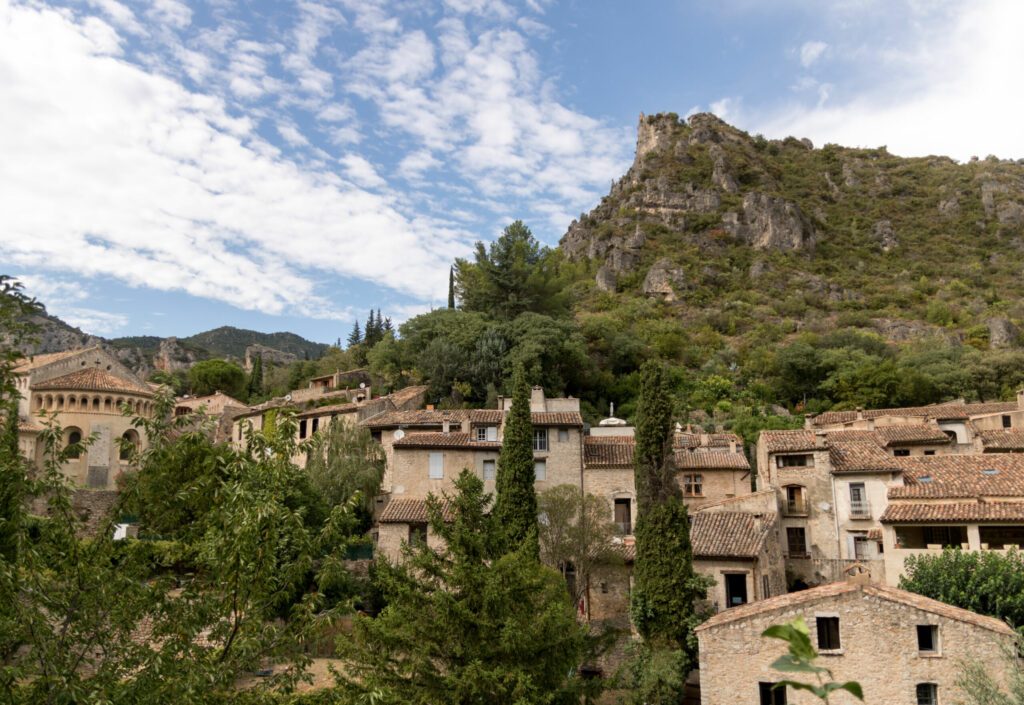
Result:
171,356
768,222
269,355
663,280
885,235
1002,333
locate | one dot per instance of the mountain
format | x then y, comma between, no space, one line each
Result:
228,341
739,236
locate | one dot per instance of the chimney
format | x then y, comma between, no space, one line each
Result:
537,399
465,424
732,445
705,440
860,413
430,407
820,440
446,425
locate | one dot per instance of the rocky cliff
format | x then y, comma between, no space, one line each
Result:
716,222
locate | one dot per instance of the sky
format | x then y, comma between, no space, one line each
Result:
170,166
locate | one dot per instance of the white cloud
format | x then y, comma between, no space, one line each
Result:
414,165
361,171
291,134
161,187
93,321
810,52
954,96
171,12
64,299
120,15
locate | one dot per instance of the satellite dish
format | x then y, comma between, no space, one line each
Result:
287,397
824,506
362,385
399,434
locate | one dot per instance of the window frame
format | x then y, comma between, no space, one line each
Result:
789,460
770,695
541,463
791,509
494,469
932,693
693,484
829,633
933,635
435,471
540,440
790,530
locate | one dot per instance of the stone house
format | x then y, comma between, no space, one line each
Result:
87,390
901,647
975,502
220,408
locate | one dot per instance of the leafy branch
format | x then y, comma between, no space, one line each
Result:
800,659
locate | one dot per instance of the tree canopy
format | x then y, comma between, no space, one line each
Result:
209,376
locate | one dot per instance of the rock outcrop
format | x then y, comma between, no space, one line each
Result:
171,356
1002,333
269,355
885,235
663,280
769,222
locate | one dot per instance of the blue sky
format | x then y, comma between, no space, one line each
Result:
169,166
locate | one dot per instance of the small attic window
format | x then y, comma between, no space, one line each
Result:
990,471
925,478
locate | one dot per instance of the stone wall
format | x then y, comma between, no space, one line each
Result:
91,507
879,649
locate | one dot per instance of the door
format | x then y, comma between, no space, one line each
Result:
735,589
623,518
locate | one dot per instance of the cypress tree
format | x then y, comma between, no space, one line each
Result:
516,503
256,378
451,287
665,583
356,336
388,327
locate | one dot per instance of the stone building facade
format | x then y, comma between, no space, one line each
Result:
89,392
904,649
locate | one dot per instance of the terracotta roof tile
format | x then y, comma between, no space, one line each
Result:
93,380
874,534
854,434
912,434
35,361
961,476
945,410
409,511
433,417
1002,439
331,409
896,513
556,418
788,441
793,600
687,439
727,534
608,451
710,460
445,440
860,456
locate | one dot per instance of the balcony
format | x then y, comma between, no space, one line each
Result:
796,507
860,509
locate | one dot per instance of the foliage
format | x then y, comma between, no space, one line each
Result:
471,624
254,389
211,376
986,582
800,658
515,505
574,530
343,462
656,675
979,687
653,469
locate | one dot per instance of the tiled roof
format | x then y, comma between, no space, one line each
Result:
788,441
946,410
961,476
896,513
433,417
454,439
911,434
860,456
793,600
687,439
608,451
28,427
409,511
1002,439
556,418
710,460
406,394
30,363
727,534
93,380
854,434
332,409
874,534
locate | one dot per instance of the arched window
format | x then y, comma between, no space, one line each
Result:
108,404
49,401
60,401
38,402
74,437
95,403
71,403
129,443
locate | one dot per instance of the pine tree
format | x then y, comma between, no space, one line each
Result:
255,388
388,327
356,336
665,583
516,502
451,287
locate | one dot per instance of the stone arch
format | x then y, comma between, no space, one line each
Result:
130,443
37,402
120,403
71,402
49,401
108,404
60,401
72,436
95,403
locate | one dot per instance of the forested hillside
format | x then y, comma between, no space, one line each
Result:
764,273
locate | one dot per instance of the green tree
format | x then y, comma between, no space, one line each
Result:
344,461
986,582
472,623
515,274
451,287
356,336
654,474
516,501
800,658
210,376
576,531
255,388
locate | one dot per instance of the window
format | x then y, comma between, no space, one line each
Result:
130,442
927,638
490,470
563,435
945,535
735,589
540,470
859,500
901,452
860,547
540,439
302,428
793,461
795,503
487,433
481,433
624,516
693,484
796,541
417,533
929,452
770,695
828,633
316,425
766,590
927,694
436,466
1007,421
74,438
